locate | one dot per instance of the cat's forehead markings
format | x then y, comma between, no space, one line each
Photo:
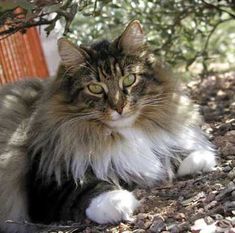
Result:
118,69
112,67
102,75
115,67
117,96
115,70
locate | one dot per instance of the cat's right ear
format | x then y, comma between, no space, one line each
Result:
70,54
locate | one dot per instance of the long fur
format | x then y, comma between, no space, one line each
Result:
132,154
16,104
67,131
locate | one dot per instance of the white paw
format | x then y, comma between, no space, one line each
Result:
112,207
197,161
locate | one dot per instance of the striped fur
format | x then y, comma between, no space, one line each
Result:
63,149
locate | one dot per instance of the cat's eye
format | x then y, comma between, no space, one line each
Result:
129,80
95,88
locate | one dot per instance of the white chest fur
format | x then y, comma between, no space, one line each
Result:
137,157
132,159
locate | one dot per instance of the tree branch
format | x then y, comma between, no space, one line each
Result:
11,30
38,17
219,8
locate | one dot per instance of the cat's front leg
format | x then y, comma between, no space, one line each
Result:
200,153
112,207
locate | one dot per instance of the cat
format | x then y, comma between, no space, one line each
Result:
113,116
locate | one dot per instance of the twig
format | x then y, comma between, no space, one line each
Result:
67,10
218,8
95,6
25,25
213,30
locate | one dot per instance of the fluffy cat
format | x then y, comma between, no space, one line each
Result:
112,116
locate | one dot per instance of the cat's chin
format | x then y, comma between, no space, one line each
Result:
122,121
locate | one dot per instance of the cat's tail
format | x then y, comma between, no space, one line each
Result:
13,203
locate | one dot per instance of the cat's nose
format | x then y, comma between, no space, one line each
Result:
117,103
119,108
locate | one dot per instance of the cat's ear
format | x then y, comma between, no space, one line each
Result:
132,39
70,54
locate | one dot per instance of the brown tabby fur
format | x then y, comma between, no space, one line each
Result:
73,149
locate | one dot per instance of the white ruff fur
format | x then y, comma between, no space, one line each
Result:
145,159
112,207
131,159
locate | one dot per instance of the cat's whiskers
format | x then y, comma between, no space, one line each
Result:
75,117
157,96
69,69
154,102
90,68
86,116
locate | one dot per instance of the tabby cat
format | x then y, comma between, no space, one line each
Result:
112,116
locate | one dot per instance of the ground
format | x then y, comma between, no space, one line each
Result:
201,204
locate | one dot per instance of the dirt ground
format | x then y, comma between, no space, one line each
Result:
201,204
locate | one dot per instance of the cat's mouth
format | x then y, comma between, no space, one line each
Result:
121,121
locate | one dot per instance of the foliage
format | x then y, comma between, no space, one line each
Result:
183,32
18,15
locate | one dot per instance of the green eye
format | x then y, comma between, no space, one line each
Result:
129,80
95,88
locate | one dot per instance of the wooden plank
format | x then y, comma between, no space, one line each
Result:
21,55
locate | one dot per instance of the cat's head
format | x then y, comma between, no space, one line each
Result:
117,83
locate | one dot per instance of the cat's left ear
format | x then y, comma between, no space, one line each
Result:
70,54
132,39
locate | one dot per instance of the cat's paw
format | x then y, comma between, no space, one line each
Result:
112,207
196,162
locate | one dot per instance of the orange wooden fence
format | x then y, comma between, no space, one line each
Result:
21,56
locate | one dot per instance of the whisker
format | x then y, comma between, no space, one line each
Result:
67,71
89,68
156,101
